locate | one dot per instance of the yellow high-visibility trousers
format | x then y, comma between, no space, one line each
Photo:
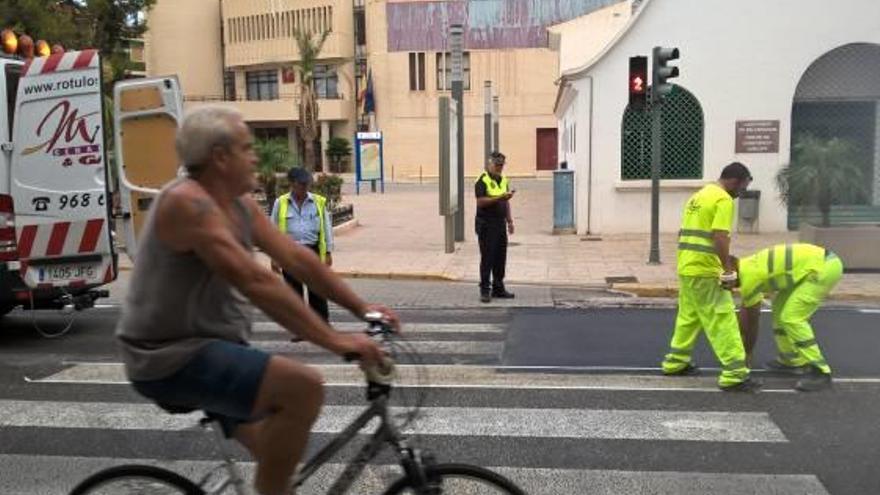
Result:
704,305
792,310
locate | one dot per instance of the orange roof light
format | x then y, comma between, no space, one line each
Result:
8,42
43,49
26,46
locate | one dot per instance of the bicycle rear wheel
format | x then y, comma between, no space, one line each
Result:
136,480
460,479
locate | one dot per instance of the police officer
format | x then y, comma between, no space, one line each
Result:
801,276
703,263
303,216
493,222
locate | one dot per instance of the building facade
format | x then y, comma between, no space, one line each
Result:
756,78
242,53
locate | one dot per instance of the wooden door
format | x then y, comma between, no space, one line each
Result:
547,149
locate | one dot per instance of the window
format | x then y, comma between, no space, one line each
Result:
444,71
324,79
682,139
262,85
229,86
360,27
417,71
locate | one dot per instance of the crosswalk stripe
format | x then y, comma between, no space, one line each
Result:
419,346
409,328
57,474
439,376
448,421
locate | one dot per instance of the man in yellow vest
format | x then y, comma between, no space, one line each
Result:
801,276
303,216
493,222
703,263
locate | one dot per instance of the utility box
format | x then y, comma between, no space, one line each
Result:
749,203
563,201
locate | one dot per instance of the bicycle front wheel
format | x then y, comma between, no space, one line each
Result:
136,479
460,479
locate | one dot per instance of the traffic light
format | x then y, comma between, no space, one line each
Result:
662,72
638,83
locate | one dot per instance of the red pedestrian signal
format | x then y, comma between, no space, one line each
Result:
638,82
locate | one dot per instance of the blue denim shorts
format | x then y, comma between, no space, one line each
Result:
222,379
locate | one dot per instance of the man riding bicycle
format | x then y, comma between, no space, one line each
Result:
184,329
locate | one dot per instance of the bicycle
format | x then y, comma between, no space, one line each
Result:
422,474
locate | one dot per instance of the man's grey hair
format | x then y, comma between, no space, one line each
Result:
203,129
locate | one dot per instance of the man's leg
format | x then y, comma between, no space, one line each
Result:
295,284
499,266
787,355
292,394
319,304
804,300
687,328
718,316
484,238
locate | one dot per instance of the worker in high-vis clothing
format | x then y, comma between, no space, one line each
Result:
704,264
800,276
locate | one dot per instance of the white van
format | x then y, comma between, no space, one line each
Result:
55,234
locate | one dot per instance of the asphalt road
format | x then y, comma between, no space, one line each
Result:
562,401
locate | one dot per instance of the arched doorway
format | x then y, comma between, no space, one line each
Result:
839,97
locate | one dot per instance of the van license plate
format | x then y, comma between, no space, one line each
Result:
68,271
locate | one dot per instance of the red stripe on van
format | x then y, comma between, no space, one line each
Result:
51,63
84,59
108,275
56,240
91,234
26,241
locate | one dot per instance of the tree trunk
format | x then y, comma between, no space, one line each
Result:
309,155
824,204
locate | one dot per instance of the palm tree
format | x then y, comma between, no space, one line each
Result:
309,48
274,156
823,171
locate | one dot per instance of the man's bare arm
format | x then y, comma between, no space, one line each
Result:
721,241
190,220
749,325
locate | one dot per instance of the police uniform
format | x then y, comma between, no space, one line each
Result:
491,228
801,276
702,302
311,227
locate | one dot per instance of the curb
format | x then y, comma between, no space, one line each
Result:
671,291
397,276
346,226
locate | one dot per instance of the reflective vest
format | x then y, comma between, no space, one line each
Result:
777,268
493,189
709,209
320,204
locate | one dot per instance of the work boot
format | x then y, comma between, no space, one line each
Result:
689,370
777,366
814,381
749,386
485,297
502,294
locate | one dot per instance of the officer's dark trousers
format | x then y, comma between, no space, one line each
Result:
318,303
492,235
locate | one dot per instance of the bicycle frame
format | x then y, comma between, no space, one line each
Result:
386,433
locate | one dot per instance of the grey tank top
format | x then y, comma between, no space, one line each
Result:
176,305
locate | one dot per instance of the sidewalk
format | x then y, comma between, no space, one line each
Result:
400,235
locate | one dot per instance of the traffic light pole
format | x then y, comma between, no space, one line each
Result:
660,88
656,156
